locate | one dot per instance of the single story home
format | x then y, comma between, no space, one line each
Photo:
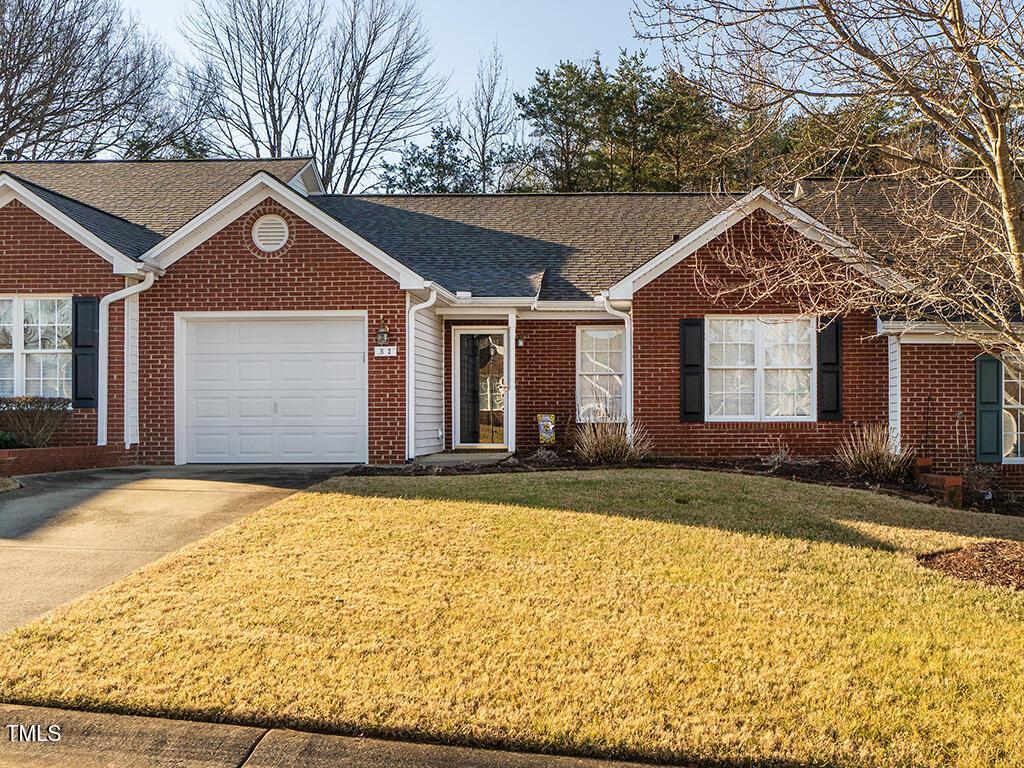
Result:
231,311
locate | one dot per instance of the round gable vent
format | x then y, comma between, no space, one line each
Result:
270,233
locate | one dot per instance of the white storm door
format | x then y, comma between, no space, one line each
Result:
275,390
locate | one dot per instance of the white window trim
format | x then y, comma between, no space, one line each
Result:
1002,409
18,328
759,369
580,330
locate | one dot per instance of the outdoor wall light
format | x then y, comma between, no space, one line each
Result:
382,335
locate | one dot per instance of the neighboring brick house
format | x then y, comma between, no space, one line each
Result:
229,311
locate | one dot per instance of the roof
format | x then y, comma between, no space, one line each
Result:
130,239
552,246
160,195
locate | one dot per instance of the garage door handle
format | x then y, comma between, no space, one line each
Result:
275,406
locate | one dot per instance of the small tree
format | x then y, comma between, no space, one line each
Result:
440,168
488,120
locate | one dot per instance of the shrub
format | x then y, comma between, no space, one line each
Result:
33,420
7,440
606,442
867,450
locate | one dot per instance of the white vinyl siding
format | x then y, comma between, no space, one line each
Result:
131,370
429,382
894,391
760,368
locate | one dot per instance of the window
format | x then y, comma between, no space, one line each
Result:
35,347
759,368
599,374
1013,411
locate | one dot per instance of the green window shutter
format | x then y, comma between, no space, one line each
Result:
988,390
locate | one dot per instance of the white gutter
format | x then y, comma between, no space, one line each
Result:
104,348
410,373
627,354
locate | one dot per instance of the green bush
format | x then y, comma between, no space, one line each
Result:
7,440
32,421
867,450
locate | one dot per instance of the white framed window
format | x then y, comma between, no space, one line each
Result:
599,374
1013,412
760,368
35,346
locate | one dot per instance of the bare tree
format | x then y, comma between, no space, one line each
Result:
346,83
937,232
488,118
371,91
74,77
258,56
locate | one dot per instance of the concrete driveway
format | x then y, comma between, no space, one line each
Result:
64,535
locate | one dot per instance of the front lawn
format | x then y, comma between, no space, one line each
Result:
660,614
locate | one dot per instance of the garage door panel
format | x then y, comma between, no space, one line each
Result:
255,446
275,390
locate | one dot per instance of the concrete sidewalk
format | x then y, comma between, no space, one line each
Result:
89,740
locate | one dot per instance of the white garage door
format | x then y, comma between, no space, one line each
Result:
275,390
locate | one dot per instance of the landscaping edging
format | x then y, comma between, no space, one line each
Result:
34,461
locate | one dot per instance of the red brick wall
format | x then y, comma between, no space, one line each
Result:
33,461
37,257
677,294
545,376
937,402
315,273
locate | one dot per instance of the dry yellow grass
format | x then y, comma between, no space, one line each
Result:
662,614
8,484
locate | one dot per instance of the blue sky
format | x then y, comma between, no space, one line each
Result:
530,33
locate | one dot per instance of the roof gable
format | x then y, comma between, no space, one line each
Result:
261,187
75,220
760,199
160,195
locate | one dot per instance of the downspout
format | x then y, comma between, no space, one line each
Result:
104,348
410,374
627,353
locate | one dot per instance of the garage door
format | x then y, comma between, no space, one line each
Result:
275,390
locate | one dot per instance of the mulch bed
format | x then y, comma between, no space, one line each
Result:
997,563
816,471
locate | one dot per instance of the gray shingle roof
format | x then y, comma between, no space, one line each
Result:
566,247
159,195
130,239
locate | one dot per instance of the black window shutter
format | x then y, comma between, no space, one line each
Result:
691,370
830,370
988,404
85,340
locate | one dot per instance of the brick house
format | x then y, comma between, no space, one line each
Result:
230,311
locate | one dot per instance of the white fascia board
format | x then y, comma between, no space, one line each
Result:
249,194
11,189
760,199
924,332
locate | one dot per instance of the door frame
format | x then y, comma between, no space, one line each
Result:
489,330
181,321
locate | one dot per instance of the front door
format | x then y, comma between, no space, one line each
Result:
480,399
